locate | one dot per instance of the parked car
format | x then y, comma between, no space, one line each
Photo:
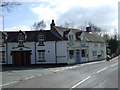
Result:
108,57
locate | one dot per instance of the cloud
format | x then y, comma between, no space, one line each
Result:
101,16
17,28
99,12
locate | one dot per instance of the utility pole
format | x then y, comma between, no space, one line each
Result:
2,16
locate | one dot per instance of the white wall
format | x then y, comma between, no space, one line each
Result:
61,51
98,49
49,48
31,45
27,44
9,49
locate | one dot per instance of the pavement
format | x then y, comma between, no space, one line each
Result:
101,74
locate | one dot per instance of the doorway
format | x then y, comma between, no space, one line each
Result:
21,58
78,56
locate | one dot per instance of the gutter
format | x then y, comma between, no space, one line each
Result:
56,52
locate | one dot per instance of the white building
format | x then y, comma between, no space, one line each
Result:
55,46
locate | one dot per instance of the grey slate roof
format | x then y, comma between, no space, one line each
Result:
91,36
32,36
53,35
61,30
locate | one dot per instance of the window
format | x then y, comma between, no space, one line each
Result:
94,53
102,52
41,39
82,40
2,57
21,39
71,54
95,44
71,39
102,44
1,41
41,56
83,53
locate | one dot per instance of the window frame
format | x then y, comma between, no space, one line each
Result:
71,54
102,52
41,56
2,41
96,44
102,44
41,40
71,39
83,39
83,55
21,39
94,53
2,57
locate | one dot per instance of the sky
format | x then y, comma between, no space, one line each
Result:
102,13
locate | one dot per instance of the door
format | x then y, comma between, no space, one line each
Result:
21,58
16,58
77,56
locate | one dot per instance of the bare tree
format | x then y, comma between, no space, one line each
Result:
39,25
68,24
7,6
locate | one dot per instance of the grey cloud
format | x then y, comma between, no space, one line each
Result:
101,16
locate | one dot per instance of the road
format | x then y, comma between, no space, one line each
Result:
102,74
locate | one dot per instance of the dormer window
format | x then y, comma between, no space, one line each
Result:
71,39
82,40
41,40
21,39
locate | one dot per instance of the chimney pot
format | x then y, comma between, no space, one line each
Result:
88,29
52,24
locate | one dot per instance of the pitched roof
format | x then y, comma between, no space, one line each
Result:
64,31
93,37
32,36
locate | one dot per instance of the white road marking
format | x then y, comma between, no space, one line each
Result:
29,78
113,64
101,70
80,82
9,83
16,81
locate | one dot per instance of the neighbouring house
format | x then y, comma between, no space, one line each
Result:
55,46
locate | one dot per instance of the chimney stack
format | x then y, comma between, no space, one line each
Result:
88,29
52,24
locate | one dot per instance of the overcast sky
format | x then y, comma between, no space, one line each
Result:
103,13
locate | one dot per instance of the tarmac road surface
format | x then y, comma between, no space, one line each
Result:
102,74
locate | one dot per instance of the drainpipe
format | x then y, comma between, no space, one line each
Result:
88,52
35,54
56,52
6,53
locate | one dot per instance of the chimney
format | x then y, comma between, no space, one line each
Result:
52,24
88,29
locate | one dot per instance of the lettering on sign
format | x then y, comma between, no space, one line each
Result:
61,56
